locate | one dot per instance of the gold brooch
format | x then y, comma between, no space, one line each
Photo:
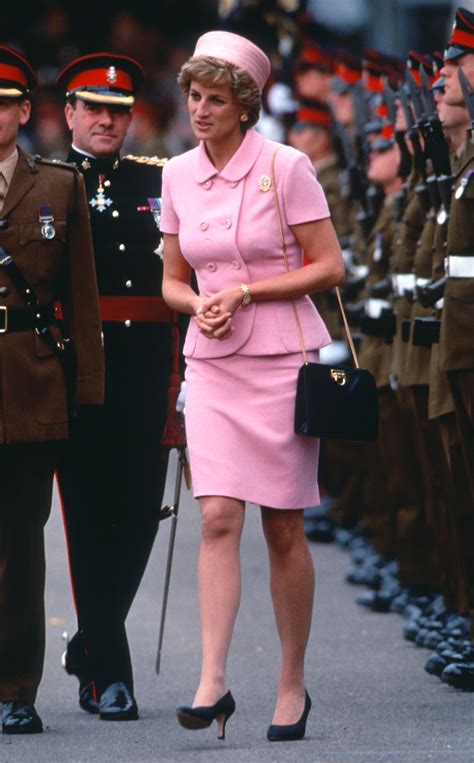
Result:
264,183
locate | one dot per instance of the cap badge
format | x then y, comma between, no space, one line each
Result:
264,183
111,75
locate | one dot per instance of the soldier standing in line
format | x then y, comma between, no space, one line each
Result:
457,336
113,477
45,255
312,133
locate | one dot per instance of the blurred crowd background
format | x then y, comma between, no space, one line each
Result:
161,35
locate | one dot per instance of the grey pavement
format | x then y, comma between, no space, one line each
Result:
372,701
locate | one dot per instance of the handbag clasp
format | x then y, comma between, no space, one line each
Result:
339,376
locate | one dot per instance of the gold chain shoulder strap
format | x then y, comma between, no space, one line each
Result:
285,257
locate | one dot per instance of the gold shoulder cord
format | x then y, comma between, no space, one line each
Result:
285,256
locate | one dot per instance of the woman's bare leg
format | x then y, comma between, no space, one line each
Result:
219,591
292,589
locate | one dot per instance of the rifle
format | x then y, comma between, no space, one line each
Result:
439,150
406,162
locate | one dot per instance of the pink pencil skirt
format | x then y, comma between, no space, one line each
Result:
239,426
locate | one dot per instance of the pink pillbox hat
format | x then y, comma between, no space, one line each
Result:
235,50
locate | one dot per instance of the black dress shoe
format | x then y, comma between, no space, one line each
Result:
459,675
292,731
20,718
202,716
87,700
117,704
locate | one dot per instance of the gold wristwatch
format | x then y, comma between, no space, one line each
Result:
246,298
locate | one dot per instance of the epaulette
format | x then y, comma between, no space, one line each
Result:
55,163
152,160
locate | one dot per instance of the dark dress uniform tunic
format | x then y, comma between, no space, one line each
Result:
33,410
113,479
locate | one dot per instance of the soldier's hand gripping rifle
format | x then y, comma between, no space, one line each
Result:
182,469
406,161
439,149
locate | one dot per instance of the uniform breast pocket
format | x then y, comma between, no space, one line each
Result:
42,255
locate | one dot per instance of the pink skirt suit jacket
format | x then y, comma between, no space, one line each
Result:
240,392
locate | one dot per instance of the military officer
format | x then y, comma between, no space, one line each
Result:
112,479
45,255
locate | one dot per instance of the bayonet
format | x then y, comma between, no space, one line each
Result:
415,96
389,98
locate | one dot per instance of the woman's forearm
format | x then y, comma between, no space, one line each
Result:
180,296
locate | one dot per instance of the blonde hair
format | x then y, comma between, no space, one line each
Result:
209,71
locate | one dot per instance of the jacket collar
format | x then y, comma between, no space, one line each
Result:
86,162
237,167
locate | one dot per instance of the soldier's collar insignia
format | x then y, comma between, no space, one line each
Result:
115,164
265,183
85,164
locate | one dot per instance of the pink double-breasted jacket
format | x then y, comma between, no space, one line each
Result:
229,234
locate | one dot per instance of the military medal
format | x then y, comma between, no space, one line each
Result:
85,164
378,251
99,202
459,193
46,219
155,209
264,183
442,216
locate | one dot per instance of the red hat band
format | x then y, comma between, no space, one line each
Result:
109,78
13,74
314,116
465,39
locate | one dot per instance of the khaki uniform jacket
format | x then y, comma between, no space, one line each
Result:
375,353
403,255
33,404
417,359
457,332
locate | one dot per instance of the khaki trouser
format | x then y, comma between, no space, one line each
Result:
26,479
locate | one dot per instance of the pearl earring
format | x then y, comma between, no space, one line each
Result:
244,117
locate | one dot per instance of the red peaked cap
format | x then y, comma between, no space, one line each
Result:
462,35
17,77
102,78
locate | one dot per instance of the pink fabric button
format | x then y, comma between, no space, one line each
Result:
204,226
211,266
207,184
236,264
227,224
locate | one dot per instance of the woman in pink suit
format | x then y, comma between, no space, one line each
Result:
242,354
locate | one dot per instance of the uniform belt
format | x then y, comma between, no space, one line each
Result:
402,281
133,309
25,318
422,281
459,267
374,307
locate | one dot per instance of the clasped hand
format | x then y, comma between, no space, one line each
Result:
214,314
